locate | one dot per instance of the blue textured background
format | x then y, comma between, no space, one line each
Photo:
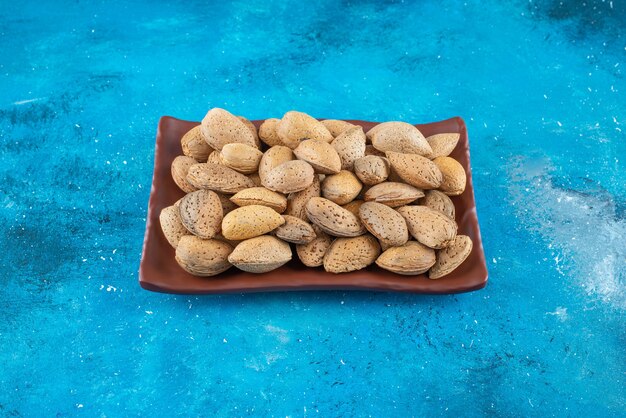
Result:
541,86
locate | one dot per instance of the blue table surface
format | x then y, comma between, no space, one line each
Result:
541,85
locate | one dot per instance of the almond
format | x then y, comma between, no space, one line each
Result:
256,179
341,188
372,169
411,258
321,155
227,205
260,254
416,170
442,144
195,146
214,158
454,177
274,157
393,194
451,257
353,206
370,150
430,227
268,134
218,178
220,127
295,230
350,145
295,127
250,221
296,202
351,254
252,129
336,127
312,254
203,257
384,223
437,200
400,137
180,168
171,225
261,196
201,213
241,157
289,177
333,219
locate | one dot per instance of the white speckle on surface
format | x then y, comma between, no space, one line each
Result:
560,313
559,123
21,102
225,340
149,312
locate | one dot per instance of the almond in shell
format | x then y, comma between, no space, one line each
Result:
274,157
342,187
241,157
416,170
268,134
171,225
203,257
195,146
201,213
393,194
289,177
351,254
437,200
384,223
442,144
333,219
312,254
295,127
336,127
295,230
227,205
260,254
261,196
296,202
410,259
372,169
218,178
252,129
220,127
454,177
353,206
370,150
180,168
430,227
400,137
350,145
321,155
214,158
250,221
451,257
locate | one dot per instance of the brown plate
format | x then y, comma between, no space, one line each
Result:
159,271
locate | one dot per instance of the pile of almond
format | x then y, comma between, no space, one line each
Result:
344,197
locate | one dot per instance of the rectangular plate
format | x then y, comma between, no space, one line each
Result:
160,272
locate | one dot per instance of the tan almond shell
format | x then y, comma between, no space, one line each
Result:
268,134
256,179
261,196
437,200
241,157
451,257
218,178
195,146
333,219
214,158
260,254
201,213
370,150
171,225
342,187
400,137
226,203
250,221
350,145
296,202
442,144
295,230
289,177
393,194
353,206
430,227
295,127
274,157
351,254
384,223
180,168
252,128
220,127
372,169
312,254
336,127
203,257
411,258
454,177
321,155
416,170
